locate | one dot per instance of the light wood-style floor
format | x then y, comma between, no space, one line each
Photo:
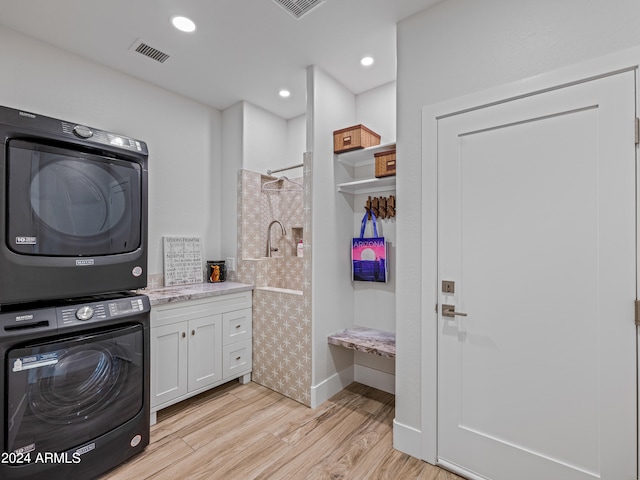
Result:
243,432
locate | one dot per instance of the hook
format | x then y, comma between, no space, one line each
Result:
381,207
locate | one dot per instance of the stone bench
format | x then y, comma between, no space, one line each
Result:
367,340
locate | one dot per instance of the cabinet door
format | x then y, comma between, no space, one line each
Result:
168,363
236,326
205,351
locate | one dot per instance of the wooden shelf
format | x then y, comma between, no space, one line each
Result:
364,156
368,185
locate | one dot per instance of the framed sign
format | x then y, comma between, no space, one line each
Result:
182,260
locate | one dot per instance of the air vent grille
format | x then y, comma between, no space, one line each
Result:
299,8
149,51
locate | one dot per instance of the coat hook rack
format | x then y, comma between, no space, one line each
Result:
382,207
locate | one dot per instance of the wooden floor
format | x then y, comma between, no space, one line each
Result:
243,432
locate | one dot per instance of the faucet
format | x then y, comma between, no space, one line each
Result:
269,249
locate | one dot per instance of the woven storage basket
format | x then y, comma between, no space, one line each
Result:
385,163
354,138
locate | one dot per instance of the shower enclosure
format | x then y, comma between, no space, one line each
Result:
282,297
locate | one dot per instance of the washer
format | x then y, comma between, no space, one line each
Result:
76,386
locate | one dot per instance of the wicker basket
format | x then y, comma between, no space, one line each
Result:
354,138
385,163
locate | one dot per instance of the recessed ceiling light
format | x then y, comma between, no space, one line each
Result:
366,61
284,93
183,24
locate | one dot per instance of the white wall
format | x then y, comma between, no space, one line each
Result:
232,154
184,137
330,106
375,303
455,48
376,109
296,145
264,139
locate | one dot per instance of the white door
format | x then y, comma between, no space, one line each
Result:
537,229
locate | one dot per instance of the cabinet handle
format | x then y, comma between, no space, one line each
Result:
184,334
193,332
237,326
238,358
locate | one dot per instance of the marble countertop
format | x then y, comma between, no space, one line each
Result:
367,340
181,293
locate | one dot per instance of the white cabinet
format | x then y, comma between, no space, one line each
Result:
197,345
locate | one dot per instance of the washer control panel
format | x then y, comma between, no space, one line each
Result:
85,313
49,317
126,306
73,314
97,311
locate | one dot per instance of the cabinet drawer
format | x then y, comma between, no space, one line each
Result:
236,326
236,358
190,309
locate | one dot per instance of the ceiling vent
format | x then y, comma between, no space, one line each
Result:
148,51
299,8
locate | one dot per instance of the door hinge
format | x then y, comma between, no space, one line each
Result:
637,130
637,313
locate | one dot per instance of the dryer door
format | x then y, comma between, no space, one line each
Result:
66,202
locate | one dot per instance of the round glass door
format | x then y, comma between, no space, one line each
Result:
77,198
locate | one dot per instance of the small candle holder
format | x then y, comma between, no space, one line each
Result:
216,271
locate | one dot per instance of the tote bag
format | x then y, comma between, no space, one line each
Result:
369,255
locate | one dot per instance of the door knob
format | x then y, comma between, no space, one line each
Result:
450,311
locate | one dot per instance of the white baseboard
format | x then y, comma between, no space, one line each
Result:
328,388
354,373
460,471
375,378
407,439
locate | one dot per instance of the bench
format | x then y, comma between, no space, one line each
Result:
367,340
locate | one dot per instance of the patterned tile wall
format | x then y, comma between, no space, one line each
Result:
281,320
282,343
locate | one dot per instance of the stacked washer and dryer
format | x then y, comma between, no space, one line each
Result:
74,335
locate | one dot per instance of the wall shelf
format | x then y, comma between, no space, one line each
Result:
364,156
368,185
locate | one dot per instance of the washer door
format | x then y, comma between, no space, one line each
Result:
65,393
